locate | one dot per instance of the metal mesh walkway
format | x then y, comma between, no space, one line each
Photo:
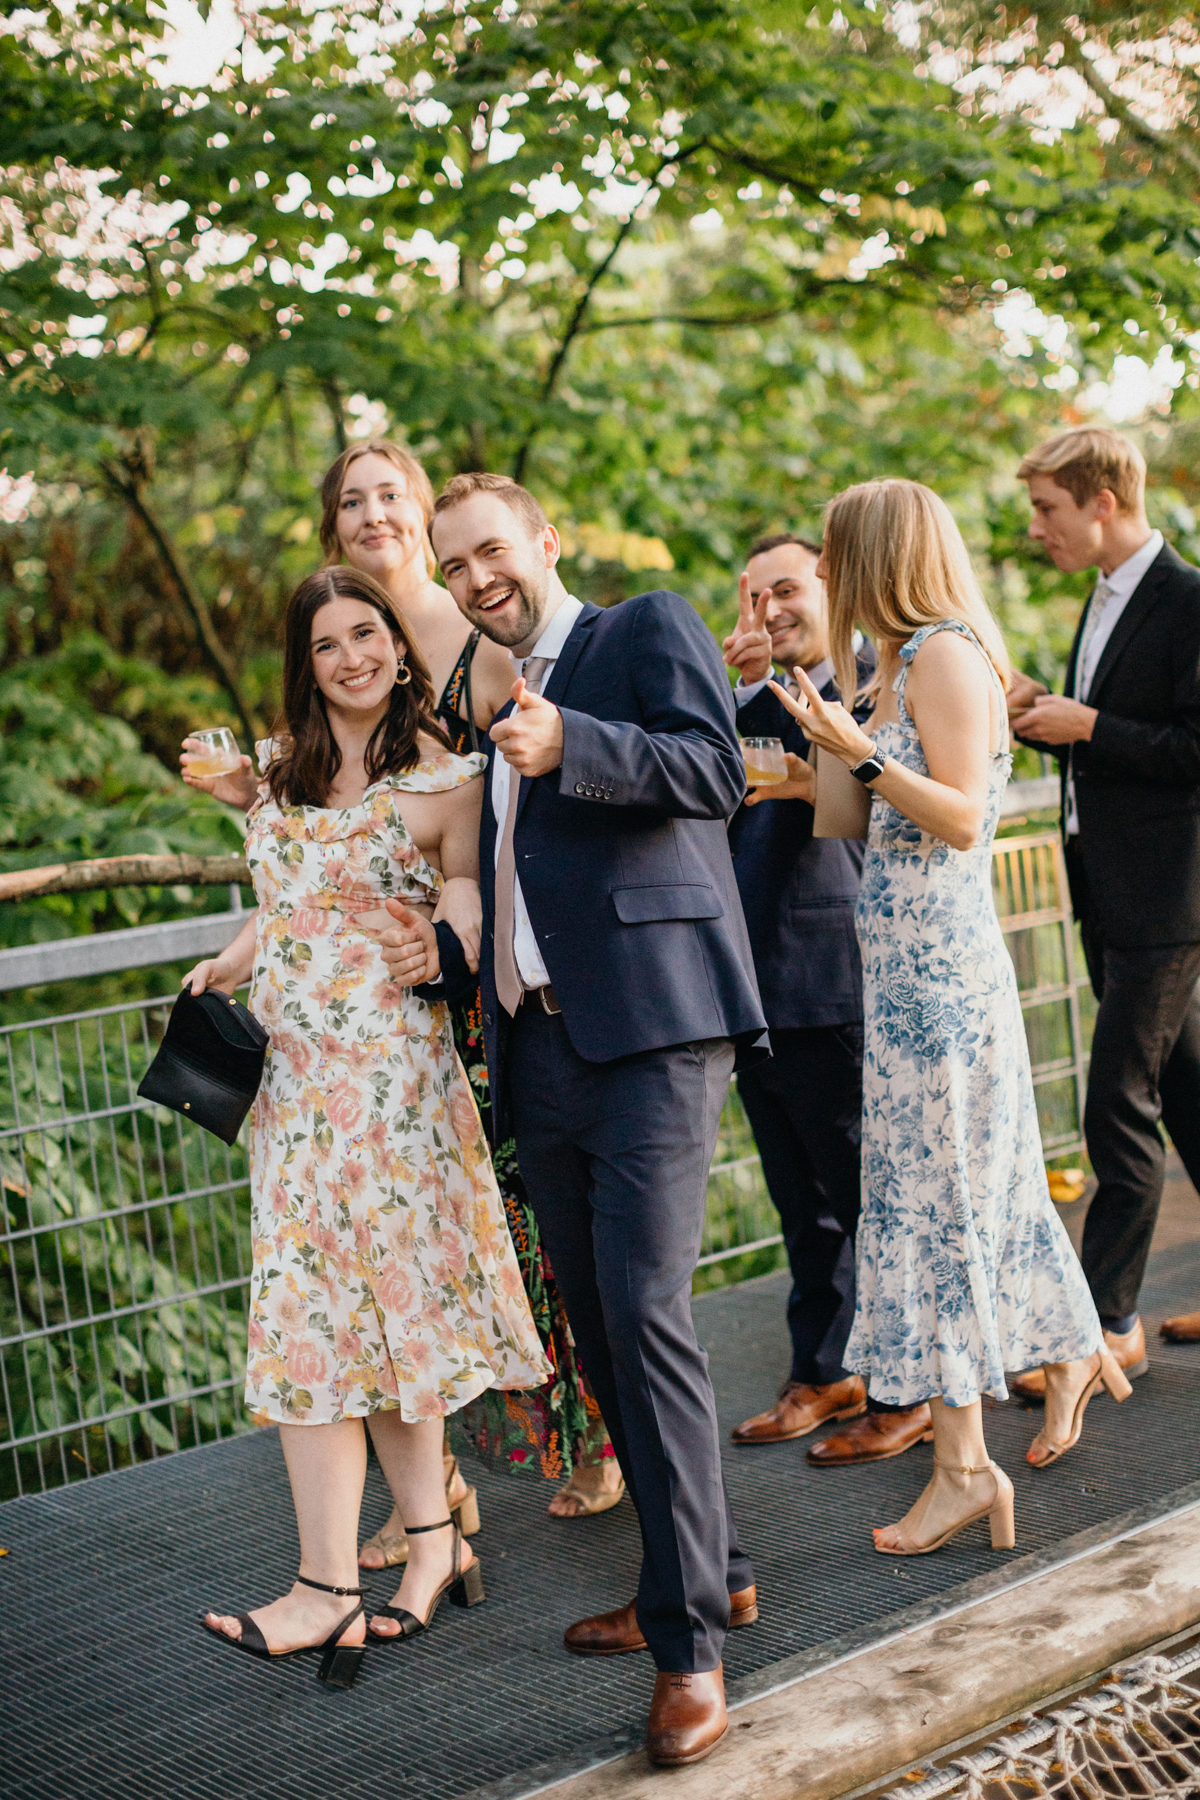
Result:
111,1690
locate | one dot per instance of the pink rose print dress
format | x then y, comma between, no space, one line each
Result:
384,1273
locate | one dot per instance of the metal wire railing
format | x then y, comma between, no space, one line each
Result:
124,1231
124,1254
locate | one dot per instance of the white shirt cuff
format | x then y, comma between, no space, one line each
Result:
743,695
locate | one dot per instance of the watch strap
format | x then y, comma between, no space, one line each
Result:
870,768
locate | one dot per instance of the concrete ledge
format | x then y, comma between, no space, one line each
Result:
831,1732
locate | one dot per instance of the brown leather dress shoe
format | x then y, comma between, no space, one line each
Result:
1184,1328
874,1437
687,1717
1129,1354
618,1633
801,1407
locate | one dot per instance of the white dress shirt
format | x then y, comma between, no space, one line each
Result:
1112,595
532,969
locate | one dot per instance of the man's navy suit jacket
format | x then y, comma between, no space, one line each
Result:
622,852
798,891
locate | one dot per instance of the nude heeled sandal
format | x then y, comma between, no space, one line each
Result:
1110,1375
998,1512
394,1545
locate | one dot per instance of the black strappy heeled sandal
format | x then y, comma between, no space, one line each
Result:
339,1664
464,1587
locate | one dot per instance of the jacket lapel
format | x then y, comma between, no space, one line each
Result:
1137,608
1073,658
560,676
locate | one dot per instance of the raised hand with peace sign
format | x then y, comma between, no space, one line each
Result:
748,646
826,722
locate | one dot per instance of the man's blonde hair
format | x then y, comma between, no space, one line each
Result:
895,561
1089,459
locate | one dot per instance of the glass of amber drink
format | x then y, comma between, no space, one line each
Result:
766,765
220,755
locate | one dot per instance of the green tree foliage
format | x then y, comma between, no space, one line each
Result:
75,782
688,270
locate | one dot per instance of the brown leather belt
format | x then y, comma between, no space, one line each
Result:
543,999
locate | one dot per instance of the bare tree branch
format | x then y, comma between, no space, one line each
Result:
575,322
126,482
715,321
122,871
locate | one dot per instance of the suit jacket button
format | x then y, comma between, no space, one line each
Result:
579,788
489,1018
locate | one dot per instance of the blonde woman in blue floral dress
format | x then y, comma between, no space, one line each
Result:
386,1288
964,1268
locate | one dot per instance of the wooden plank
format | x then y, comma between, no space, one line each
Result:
873,1714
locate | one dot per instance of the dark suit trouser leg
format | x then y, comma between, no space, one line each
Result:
1180,1091
615,1160
805,1110
1147,998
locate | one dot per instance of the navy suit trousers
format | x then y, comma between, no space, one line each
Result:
805,1110
615,1160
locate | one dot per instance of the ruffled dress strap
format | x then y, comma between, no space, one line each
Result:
438,774
265,749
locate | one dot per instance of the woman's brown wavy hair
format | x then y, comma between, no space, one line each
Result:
307,757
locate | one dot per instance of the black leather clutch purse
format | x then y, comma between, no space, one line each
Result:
210,1062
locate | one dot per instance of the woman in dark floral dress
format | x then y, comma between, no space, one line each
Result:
376,506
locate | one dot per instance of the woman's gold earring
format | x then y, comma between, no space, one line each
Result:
403,675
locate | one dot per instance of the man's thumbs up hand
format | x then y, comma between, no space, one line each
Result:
409,948
531,737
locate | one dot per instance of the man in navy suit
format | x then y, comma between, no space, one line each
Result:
617,983
805,1104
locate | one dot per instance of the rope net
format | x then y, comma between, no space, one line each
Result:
1138,1737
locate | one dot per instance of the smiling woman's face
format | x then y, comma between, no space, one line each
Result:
355,658
380,527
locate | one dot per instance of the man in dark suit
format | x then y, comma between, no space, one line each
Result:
617,980
805,1104
1127,736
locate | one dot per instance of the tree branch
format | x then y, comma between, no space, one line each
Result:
122,871
333,400
716,321
575,322
1166,143
127,485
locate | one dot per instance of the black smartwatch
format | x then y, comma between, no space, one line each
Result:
870,768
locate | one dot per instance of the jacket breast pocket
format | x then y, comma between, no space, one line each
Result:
676,900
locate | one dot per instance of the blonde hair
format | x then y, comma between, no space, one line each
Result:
895,561
419,486
1088,460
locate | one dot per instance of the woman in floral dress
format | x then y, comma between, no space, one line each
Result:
964,1268
385,1286
376,507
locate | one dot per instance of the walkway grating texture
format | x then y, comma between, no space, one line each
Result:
110,1691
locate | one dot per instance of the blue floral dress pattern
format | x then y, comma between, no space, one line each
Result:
964,1268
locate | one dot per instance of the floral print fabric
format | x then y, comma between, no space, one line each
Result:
964,1267
384,1274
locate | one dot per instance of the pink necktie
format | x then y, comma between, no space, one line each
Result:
509,986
